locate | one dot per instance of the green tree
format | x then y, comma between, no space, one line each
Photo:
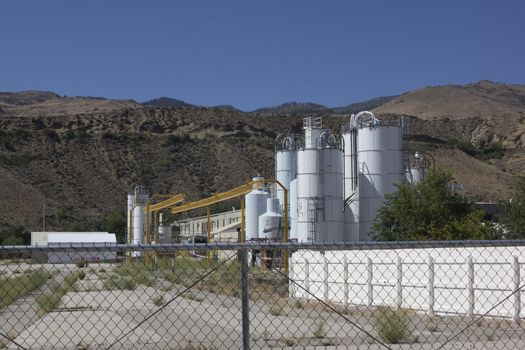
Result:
513,217
15,235
115,222
429,210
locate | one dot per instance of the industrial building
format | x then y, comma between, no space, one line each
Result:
65,239
330,186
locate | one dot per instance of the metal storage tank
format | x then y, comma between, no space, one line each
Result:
309,196
331,176
380,162
351,176
255,207
417,168
270,223
131,202
285,165
293,210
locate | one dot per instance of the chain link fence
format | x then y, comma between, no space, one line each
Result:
417,295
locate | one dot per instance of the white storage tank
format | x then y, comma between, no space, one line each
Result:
293,210
131,202
255,207
309,196
285,166
351,176
331,177
270,223
380,162
417,168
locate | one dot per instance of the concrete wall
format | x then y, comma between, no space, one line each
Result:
433,280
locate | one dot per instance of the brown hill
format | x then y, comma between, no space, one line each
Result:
42,103
83,164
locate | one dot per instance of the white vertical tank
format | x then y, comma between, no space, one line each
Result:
270,223
331,177
351,175
255,207
285,166
416,170
293,210
129,215
309,196
380,161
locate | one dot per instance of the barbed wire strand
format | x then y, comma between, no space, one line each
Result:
178,295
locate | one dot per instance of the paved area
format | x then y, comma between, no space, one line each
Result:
92,317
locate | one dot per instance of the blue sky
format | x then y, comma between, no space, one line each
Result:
257,53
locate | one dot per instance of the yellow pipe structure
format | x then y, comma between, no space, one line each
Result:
154,208
237,192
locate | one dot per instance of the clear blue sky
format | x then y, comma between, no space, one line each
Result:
257,53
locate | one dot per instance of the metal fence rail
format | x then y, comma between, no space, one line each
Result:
388,295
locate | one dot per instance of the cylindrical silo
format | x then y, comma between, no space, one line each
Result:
270,223
285,166
331,177
138,224
309,196
351,175
255,207
380,160
131,202
293,210
417,166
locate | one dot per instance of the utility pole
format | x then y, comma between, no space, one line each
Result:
44,216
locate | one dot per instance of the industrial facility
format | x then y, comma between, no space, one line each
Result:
328,187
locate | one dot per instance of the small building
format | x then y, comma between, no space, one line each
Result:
74,254
223,227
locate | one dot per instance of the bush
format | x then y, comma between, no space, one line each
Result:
392,326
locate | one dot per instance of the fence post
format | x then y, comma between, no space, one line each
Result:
431,297
244,296
470,286
326,286
307,277
291,277
369,281
517,292
399,284
345,281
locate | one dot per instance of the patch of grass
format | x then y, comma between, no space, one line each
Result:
138,272
158,300
49,300
12,288
393,326
120,283
191,296
276,310
319,331
81,264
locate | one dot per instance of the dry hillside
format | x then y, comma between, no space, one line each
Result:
81,155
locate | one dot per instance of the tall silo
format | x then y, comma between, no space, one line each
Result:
131,203
331,178
309,196
380,165
293,210
255,207
285,165
351,176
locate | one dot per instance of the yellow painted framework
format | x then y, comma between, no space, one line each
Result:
234,193
155,208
